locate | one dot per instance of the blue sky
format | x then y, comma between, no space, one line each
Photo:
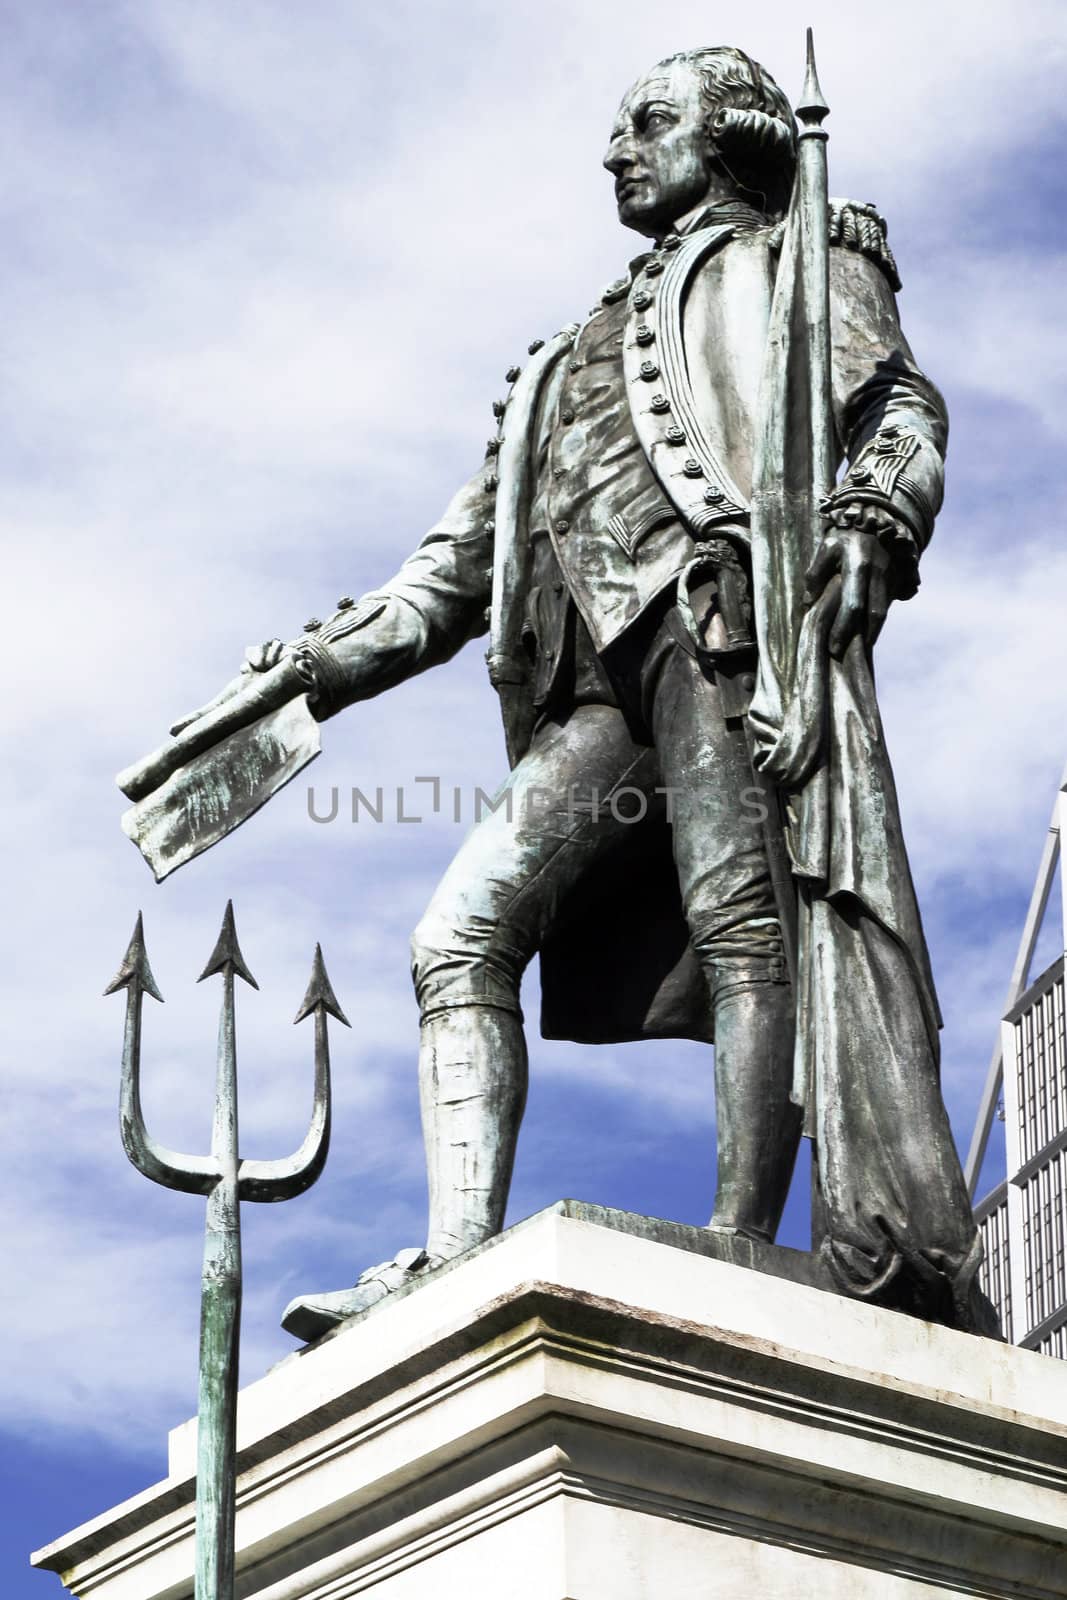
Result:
264,269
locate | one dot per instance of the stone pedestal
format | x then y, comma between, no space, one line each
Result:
592,1409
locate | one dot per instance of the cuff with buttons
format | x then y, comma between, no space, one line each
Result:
864,508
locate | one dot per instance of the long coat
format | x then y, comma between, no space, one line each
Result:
619,966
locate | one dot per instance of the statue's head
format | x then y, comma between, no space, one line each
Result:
704,125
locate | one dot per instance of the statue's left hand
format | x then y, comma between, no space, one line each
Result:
856,544
258,658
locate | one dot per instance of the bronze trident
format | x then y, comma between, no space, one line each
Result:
226,1180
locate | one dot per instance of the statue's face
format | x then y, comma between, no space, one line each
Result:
659,151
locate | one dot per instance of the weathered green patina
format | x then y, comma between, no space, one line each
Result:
226,1180
697,508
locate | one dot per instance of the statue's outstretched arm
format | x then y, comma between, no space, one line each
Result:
424,615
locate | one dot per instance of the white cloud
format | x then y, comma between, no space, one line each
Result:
974,671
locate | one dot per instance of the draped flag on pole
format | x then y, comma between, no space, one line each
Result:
891,1210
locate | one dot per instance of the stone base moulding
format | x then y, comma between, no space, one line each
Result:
600,1407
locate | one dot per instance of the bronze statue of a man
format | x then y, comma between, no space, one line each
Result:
669,804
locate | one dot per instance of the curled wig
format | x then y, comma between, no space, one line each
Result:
749,123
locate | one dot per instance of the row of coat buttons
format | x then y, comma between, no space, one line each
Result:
649,371
654,264
514,372
512,375
675,435
644,335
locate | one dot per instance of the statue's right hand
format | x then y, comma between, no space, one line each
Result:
258,658
261,657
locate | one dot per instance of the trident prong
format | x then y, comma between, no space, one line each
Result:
225,1180
281,1180
194,1174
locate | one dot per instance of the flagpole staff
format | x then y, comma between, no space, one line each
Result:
814,209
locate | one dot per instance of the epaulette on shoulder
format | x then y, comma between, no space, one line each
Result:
859,227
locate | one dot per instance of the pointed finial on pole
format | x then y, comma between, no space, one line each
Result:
135,973
227,952
812,108
320,993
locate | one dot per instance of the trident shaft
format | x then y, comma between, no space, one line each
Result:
225,1180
